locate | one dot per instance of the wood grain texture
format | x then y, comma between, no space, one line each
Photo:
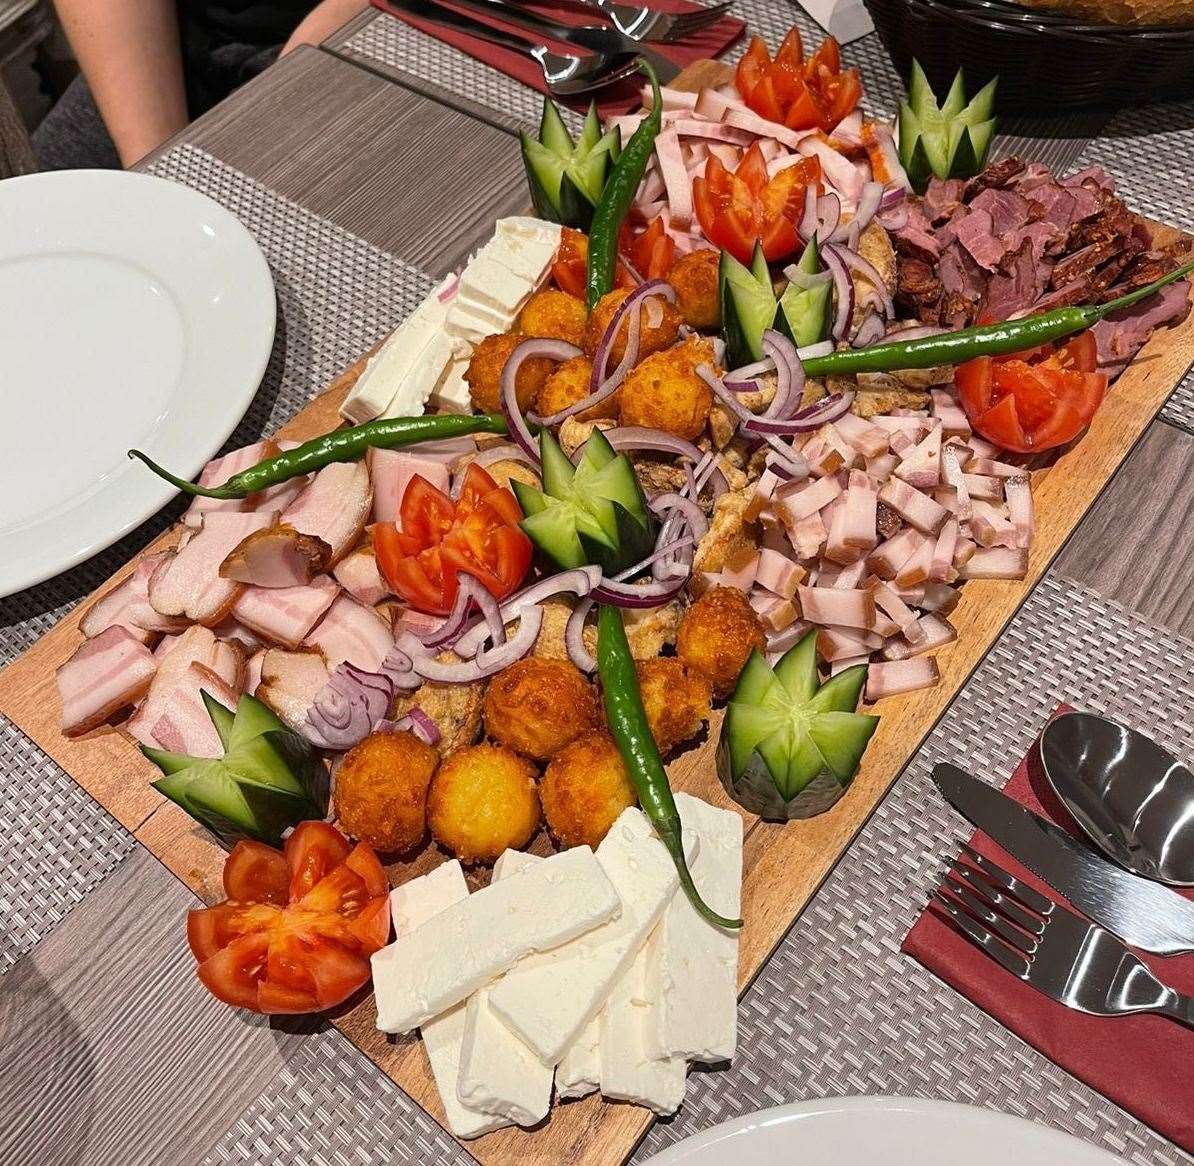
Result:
784,864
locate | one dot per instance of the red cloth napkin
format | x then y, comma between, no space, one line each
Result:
1142,1063
616,99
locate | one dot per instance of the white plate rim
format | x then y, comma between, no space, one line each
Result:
256,282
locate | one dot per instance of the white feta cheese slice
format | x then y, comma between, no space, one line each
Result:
464,324
474,941
411,905
529,228
692,975
628,1071
579,1073
527,260
498,1073
412,397
480,313
547,1000
383,385
452,392
486,280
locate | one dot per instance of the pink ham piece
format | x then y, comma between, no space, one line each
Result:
868,439
391,471
845,662
185,725
108,672
253,671
675,177
1019,509
228,629
714,105
711,131
745,119
984,488
936,632
991,468
189,584
852,530
277,557
139,613
359,575
890,678
334,507
991,527
915,569
775,613
165,644
838,643
286,615
805,501
218,471
849,578
852,608
996,563
942,565
951,472
673,99
808,536
290,682
886,560
112,610
740,573
939,597
915,508
778,574
900,613
353,632
951,415
921,465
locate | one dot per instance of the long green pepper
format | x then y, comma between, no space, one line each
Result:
628,723
618,195
340,445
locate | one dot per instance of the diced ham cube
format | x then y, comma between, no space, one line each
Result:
854,608
996,563
915,508
890,678
935,632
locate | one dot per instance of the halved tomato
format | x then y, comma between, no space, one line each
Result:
306,946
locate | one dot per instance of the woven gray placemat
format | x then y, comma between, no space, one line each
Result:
838,1009
337,294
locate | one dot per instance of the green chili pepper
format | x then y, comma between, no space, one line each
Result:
628,724
989,340
618,194
341,445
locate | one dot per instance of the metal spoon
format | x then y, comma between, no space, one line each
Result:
1133,799
566,75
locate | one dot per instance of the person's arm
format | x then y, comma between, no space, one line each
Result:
129,53
322,21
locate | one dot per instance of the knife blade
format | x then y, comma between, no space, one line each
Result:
1142,913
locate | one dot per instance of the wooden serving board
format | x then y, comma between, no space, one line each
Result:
784,863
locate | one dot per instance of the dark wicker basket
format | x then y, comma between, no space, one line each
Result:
1045,62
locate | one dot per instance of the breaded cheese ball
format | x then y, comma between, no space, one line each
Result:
695,279
717,635
664,391
663,335
381,790
585,788
484,373
554,315
539,705
483,799
572,382
676,699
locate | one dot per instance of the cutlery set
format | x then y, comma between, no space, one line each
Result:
1136,803
612,50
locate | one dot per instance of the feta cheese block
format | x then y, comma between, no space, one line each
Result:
498,1073
399,377
692,973
490,284
452,393
628,1070
548,999
579,1073
474,941
411,905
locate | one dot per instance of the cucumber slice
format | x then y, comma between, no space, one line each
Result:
950,141
553,133
797,669
921,97
982,104
590,131
166,761
757,680
745,726
252,719
804,313
748,309
221,716
553,531
258,762
973,147
558,471
531,501
955,99
841,739
758,266
840,693
598,453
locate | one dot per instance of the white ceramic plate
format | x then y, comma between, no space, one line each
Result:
881,1131
133,312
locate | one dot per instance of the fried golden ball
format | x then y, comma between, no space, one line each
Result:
538,706
554,315
585,788
482,801
663,335
676,699
664,391
717,634
695,279
381,790
484,373
571,382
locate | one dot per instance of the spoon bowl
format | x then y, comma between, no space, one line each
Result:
1132,798
567,75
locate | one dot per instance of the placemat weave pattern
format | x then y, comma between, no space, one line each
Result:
337,294
838,1010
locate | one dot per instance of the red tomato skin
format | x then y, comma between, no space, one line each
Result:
256,873
313,850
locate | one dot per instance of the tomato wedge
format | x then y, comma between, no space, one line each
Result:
737,208
478,535
652,252
812,94
307,946
570,267
1036,400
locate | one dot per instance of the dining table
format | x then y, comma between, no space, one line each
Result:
367,168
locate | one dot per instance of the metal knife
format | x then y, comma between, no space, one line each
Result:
1142,913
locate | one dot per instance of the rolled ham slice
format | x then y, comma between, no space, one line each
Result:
278,557
285,615
352,632
334,507
360,576
290,682
185,725
107,673
391,471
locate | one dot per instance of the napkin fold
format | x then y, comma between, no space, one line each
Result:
616,99
1145,1064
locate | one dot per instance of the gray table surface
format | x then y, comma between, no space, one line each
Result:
109,1049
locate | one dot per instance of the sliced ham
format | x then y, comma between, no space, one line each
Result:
939,597
113,610
808,536
675,177
360,576
108,672
853,532
942,564
778,574
841,643
290,682
334,507
921,465
915,508
893,606
228,629
218,471
189,584
917,567
991,527
185,725
391,471
139,613
996,563
983,488
277,557
934,631
951,472
850,608
870,440
253,667
1019,509
890,678
286,615
745,119
353,632
807,500
893,553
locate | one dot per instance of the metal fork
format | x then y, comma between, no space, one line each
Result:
646,24
1046,945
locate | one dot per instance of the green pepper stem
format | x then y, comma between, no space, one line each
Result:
1099,311
220,492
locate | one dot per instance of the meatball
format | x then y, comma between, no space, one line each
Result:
571,383
650,339
484,373
664,391
381,790
585,788
717,634
695,279
538,706
483,800
676,699
554,315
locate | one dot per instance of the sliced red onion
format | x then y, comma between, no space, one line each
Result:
739,411
486,663
553,350
743,387
916,331
843,288
454,623
653,287
656,556
829,215
345,710
870,331
417,722
789,386
450,291
809,351
867,270
574,637
808,220
895,219
869,202
893,198
638,595
795,462
749,371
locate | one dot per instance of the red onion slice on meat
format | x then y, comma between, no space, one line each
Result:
416,721
789,386
867,270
